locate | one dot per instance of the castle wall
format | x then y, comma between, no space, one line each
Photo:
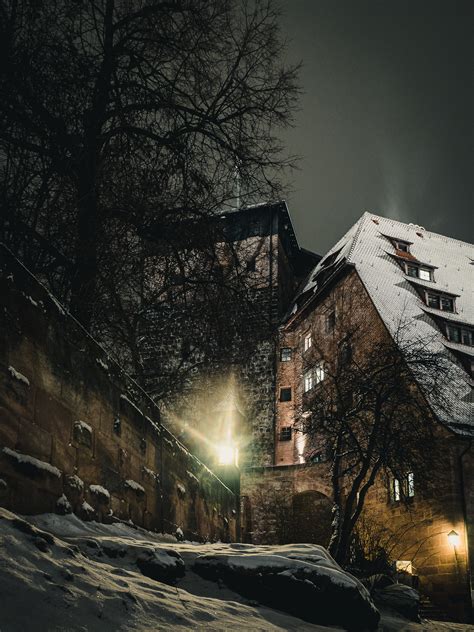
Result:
75,431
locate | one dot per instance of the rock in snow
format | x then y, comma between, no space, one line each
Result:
302,579
400,598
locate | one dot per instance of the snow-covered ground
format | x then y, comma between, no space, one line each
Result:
58,574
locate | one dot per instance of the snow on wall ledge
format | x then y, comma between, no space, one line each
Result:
75,430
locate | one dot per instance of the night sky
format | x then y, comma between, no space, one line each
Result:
385,121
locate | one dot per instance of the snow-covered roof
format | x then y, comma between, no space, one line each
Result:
367,247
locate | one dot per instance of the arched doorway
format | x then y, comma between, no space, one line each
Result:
312,517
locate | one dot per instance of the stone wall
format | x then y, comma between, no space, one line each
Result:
76,432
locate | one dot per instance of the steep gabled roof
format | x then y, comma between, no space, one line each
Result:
368,247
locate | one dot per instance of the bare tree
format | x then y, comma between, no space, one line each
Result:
120,114
367,414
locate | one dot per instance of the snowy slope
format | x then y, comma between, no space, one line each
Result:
59,574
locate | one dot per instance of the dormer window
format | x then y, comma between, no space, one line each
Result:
440,301
400,245
460,335
419,272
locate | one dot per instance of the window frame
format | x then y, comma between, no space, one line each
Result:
308,380
285,433
402,488
286,357
330,321
287,390
307,341
418,269
464,335
401,242
439,298
319,372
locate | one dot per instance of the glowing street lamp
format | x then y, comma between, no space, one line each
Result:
453,538
227,454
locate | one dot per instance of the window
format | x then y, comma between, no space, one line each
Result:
319,372
285,394
425,274
402,246
467,337
345,352
395,490
285,354
251,265
285,433
313,376
461,335
453,333
307,342
419,272
330,321
317,457
404,487
439,301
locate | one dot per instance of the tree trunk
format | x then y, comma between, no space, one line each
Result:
84,282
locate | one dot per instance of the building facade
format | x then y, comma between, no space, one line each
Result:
385,283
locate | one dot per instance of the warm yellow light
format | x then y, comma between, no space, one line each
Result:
227,454
454,538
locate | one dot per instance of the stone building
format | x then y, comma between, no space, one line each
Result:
383,277
383,281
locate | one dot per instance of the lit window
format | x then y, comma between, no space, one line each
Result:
395,490
307,343
285,433
330,321
425,274
402,487
319,372
285,354
285,394
308,381
418,272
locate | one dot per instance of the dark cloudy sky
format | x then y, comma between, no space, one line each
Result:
386,116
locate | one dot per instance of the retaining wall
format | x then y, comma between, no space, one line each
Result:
77,433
